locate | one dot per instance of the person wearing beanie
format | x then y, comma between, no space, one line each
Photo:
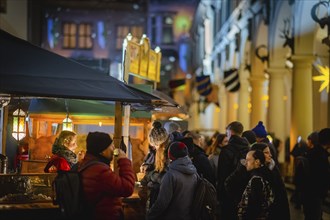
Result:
103,188
177,150
177,187
63,157
261,137
260,130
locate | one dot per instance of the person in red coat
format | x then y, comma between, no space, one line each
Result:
103,188
63,157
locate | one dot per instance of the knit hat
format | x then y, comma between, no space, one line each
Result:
177,150
96,142
260,130
158,134
324,136
188,141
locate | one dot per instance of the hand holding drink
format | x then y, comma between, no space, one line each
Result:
119,153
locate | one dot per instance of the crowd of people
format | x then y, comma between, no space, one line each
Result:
241,164
244,168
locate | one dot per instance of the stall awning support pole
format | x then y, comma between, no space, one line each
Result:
118,130
127,115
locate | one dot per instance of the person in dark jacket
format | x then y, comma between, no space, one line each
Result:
198,156
299,154
261,137
315,178
229,159
280,208
177,187
258,195
250,136
103,188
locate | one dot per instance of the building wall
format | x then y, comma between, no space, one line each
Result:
283,96
15,20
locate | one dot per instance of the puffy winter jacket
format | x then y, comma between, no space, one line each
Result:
103,188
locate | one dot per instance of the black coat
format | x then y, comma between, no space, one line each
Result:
316,183
237,181
280,208
229,159
202,164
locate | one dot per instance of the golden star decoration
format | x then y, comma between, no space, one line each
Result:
324,78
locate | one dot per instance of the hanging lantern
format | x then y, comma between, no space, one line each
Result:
67,124
19,124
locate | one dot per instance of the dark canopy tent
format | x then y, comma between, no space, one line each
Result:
28,70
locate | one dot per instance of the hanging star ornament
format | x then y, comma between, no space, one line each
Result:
324,78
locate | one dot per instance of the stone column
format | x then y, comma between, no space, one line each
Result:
276,109
302,102
258,112
231,107
243,109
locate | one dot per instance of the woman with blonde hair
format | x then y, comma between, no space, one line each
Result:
159,138
63,156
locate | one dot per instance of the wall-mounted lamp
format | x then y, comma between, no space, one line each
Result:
262,53
19,125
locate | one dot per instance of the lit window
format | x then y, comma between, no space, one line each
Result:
122,32
85,36
69,35
167,36
77,36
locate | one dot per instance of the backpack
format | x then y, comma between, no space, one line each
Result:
68,193
267,200
205,200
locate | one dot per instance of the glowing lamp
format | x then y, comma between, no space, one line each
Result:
19,124
67,124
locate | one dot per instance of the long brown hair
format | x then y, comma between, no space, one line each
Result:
216,143
161,156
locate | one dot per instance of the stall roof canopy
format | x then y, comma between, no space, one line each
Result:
27,70
78,108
